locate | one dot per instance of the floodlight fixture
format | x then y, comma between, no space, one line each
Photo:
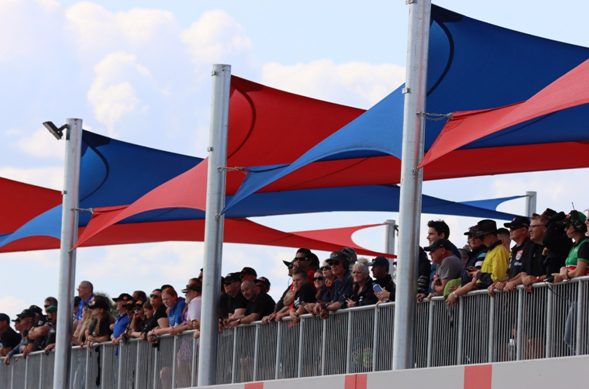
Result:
54,130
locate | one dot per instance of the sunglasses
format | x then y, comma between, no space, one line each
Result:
154,296
318,278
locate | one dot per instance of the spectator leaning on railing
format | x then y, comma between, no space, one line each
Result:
124,303
9,338
99,328
577,262
494,266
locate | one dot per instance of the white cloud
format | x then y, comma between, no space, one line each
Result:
140,26
50,177
41,144
357,83
216,38
113,93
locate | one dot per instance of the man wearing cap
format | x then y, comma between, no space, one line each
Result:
119,327
380,272
9,338
476,256
232,302
524,254
192,315
342,285
25,346
449,266
494,267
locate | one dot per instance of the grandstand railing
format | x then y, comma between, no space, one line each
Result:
552,321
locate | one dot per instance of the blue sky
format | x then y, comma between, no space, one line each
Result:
139,71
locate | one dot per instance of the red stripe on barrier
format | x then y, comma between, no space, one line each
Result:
361,381
478,377
356,381
350,382
254,385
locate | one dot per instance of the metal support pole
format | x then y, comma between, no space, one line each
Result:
411,179
531,197
214,221
67,255
391,228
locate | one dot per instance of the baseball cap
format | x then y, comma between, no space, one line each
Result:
445,243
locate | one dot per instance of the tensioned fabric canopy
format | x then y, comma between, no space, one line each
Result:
472,65
559,103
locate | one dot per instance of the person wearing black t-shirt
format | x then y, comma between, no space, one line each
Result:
258,305
9,338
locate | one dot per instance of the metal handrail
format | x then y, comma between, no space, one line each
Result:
550,322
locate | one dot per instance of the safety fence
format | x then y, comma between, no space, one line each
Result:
549,321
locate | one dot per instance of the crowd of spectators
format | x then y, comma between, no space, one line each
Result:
550,247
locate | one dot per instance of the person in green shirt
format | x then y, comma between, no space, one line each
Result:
577,262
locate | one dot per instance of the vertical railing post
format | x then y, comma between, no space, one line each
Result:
234,356
103,371
460,330
194,362
518,334
174,367
156,368
580,305
323,346
490,354
375,338
122,350
349,342
256,347
214,224
137,366
278,349
87,364
26,371
549,307
41,372
430,331
300,353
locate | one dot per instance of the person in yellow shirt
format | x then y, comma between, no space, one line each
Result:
494,267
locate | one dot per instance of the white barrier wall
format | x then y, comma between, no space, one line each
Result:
570,372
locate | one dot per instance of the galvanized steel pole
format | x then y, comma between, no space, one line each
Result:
411,179
214,221
531,198
67,255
